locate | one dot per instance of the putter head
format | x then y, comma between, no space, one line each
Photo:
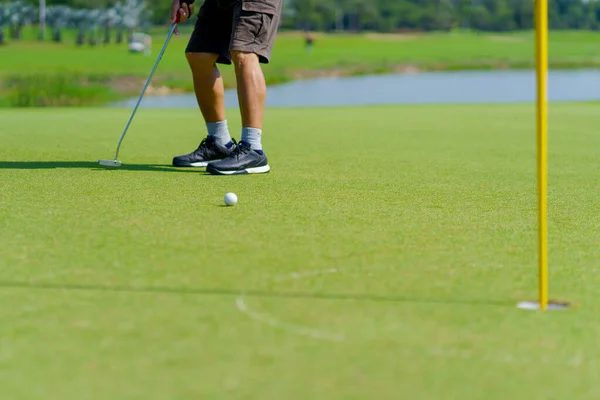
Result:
110,163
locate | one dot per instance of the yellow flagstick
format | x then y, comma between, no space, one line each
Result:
541,58
541,36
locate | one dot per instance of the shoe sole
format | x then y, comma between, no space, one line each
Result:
255,170
198,164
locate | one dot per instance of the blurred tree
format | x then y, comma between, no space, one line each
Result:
57,18
523,13
16,11
362,13
42,19
447,15
134,15
325,15
108,21
92,21
119,10
4,18
78,20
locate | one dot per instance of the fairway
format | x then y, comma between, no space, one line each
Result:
351,52
118,74
381,258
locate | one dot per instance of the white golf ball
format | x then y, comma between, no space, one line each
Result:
230,199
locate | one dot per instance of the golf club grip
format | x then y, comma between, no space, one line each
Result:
182,2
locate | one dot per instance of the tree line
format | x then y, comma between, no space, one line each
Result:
96,18
93,24
431,15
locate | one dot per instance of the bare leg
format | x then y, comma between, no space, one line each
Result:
249,157
208,85
210,95
251,88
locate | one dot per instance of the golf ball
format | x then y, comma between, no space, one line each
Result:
230,199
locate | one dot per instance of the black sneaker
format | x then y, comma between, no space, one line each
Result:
242,160
208,151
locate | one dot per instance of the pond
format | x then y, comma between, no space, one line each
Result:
505,86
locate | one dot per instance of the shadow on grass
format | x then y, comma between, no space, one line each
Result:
93,166
256,293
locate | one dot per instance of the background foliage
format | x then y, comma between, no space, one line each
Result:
95,19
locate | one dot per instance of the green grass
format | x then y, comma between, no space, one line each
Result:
57,89
411,231
330,51
333,54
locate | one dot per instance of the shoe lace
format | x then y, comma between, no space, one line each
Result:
202,145
239,148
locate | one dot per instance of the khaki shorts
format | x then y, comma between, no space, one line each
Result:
243,25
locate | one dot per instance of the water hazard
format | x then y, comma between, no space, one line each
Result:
424,88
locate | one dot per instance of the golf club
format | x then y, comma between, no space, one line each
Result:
115,162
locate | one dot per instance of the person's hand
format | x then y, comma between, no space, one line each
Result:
181,10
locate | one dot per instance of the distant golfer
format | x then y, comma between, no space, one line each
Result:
309,40
241,32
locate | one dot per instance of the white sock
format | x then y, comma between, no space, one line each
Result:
252,136
220,131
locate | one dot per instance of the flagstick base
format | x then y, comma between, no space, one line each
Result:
534,305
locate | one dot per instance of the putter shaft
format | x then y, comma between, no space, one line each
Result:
162,51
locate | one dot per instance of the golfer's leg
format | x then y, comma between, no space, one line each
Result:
251,88
248,157
208,86
209,45
254,31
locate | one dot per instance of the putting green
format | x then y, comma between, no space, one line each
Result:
383,257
